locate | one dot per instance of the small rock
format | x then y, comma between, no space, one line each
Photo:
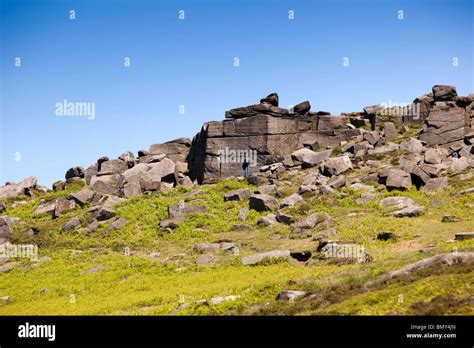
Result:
450,218
290,295
386,235
464,235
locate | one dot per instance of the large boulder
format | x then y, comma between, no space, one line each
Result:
444,93
310,158
256,258
412,145
74,172
24,187
84,196
271,99
336,165
6,229
401,206
302,108
107,184
116,166
445,125
398,179
262,202
237,195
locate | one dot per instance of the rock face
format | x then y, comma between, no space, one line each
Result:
447,117
24,187
6,229
265,134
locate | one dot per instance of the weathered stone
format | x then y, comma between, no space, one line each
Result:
336,165
262,202
366,197
401,206
6,229
107,184
268,220
285,218
63,205
412,145
310,158
8,267
302,108
435,263
117,224
290,295
116,166
243,214
386,235
165,169
361,187
460,164
24,187
444,93
205,259
178,212
372,137
390,131
266,189
256,258
436,184
432,156
107,210
205,248
58,186
46,208
337,182
317,220
82,197
71,225
74,172
291,201
464,235
128,158
398,179
271,99
237,195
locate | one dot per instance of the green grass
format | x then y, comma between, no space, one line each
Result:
139,285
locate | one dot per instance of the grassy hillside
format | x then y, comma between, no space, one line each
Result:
131,281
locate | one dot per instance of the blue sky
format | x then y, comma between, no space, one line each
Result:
190,62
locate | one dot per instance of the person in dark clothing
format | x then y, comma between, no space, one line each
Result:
246,167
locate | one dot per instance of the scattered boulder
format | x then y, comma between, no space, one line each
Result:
336,165
435,262
309,158
24,187
401,206
256,258
290,295
398,179
71,225
386,235
74,172
412,145
6,229
464,235
436,184
291,201
337,182
237,195
262,202
302,108
243,214
285,218
268,220
271,99
63,205
444,93
84,196
46,207
390,131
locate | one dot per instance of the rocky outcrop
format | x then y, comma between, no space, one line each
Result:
264,134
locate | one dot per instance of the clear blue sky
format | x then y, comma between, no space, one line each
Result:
190,62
